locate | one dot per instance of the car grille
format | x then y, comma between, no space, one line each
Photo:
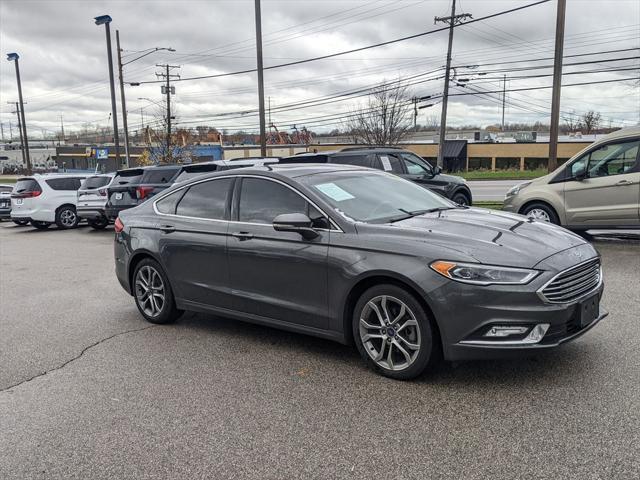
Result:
573,283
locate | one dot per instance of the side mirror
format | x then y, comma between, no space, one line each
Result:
581,174
437,170
295,222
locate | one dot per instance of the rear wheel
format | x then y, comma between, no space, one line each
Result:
153,294
393,333
66,217
542,212
40,225
460,199
98,224
20,222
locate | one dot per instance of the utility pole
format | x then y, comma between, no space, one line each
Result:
415,113
62,128
269,112
557,82
122,100
452,21
10,132
17,112
142,118
167,89
263,133
504,93
21,121
2,131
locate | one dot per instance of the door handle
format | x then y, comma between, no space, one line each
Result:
242,235
168,228
624,182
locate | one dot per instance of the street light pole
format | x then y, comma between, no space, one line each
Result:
263,133
23,131
123,102
106,20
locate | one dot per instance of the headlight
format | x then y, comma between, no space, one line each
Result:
516,189
479,274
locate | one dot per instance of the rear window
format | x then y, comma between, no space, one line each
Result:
27,185
64,183
359,160
92,183
160,175
125,177
193,172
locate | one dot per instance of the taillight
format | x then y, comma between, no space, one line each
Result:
102,192
142,192
118,225
28,194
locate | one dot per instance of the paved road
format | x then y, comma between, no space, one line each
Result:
89,390
491,190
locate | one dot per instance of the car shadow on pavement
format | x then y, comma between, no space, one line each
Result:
569,363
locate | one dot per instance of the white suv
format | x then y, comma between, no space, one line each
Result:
92,198
47,199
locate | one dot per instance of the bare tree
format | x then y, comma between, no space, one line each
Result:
571,123
181,148
591,121
385,119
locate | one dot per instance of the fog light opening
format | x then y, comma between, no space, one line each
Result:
500,331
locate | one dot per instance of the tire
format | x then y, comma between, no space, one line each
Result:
22,223
40,225
100,224
146,274
461,199
541,211
66,217
417,341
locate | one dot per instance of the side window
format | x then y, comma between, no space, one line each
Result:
415,165
359,160
263,200
318,219
613,159
390,163
64,183
168,203
206,200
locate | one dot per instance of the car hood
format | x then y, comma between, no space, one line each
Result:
443,177
492,237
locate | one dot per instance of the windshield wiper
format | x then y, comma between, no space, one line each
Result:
415,213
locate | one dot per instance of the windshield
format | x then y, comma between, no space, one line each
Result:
374,197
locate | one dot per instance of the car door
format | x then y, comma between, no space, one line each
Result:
193,226
610,193
420,171
278,275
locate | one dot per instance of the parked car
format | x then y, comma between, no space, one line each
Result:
92,198
5,201
46,199
402,162
598,187
408,276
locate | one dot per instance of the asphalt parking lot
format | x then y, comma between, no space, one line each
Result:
89,390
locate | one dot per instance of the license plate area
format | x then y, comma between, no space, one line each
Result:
118,196
18,201
589,309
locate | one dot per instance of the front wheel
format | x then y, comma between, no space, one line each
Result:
461,199
153,294
542,212
393,333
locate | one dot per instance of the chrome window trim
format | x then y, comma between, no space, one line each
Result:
586,294
164,195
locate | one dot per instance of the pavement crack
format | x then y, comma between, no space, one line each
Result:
82,352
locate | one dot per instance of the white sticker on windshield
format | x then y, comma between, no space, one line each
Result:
334,192
386,164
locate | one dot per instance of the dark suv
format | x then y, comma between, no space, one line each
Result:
132,186
394,160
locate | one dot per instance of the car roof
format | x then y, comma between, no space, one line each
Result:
623,132
291,170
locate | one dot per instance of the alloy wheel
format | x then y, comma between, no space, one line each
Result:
68,218
150,291
538,214
390,333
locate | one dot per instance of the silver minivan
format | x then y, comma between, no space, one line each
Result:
598,187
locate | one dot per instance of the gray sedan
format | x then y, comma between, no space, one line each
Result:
357,255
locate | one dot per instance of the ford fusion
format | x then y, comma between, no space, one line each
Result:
359,256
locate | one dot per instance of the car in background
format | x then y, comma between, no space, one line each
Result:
133,186
5,201
599,187
401,162
46,199
92,198
358,255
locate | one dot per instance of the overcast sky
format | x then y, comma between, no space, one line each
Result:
64,68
